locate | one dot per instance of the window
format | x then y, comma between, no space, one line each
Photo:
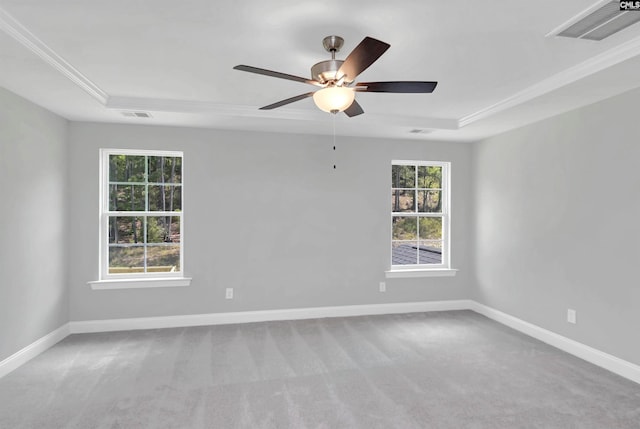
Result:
141,214
419,215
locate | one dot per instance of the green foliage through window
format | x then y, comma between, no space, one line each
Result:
417,213
144,213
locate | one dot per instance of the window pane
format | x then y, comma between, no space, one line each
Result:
404,252
430,228
403,176
163,258
126,229
403,201
163,229
430,252
175,235
429,201
405,228
126,168
429,177
164,169
126,259
432,245
163,238
126,197
165,198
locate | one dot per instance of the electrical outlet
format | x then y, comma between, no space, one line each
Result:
383,287
571,316
229,293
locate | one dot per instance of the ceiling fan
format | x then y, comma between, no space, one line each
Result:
335,78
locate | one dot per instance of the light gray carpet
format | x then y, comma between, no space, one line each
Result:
435,370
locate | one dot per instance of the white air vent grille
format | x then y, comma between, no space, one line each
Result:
598,23
136,114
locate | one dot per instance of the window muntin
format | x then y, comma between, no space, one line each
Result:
419,214
141,214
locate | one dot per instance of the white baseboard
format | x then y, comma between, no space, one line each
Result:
616,365
21,357
263,316
604,360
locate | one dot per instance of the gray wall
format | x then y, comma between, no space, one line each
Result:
33,289
558,224
267,215
545,218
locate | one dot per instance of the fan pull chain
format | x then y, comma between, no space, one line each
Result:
334,141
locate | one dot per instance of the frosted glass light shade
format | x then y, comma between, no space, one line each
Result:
334,98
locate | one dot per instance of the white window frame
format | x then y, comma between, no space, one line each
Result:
426,270
135,280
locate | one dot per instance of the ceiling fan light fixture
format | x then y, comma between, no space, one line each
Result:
336,78
334,99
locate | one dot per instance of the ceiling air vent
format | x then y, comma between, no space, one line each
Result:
598,22
136,114
420,131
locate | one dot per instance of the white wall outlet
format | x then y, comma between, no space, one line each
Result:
383,287
571,316
229,293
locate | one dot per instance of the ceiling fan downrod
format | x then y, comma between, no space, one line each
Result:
325,71
333,44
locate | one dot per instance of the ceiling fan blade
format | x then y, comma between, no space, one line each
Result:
287,101
365,54
354,110
406,87
272,73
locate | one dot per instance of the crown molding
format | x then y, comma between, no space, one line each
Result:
591,66
20,33
194,106
199,106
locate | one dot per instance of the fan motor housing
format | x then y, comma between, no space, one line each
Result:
325,71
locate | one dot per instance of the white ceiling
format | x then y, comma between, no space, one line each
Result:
497,69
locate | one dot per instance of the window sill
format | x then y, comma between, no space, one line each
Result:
139,283
435,272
